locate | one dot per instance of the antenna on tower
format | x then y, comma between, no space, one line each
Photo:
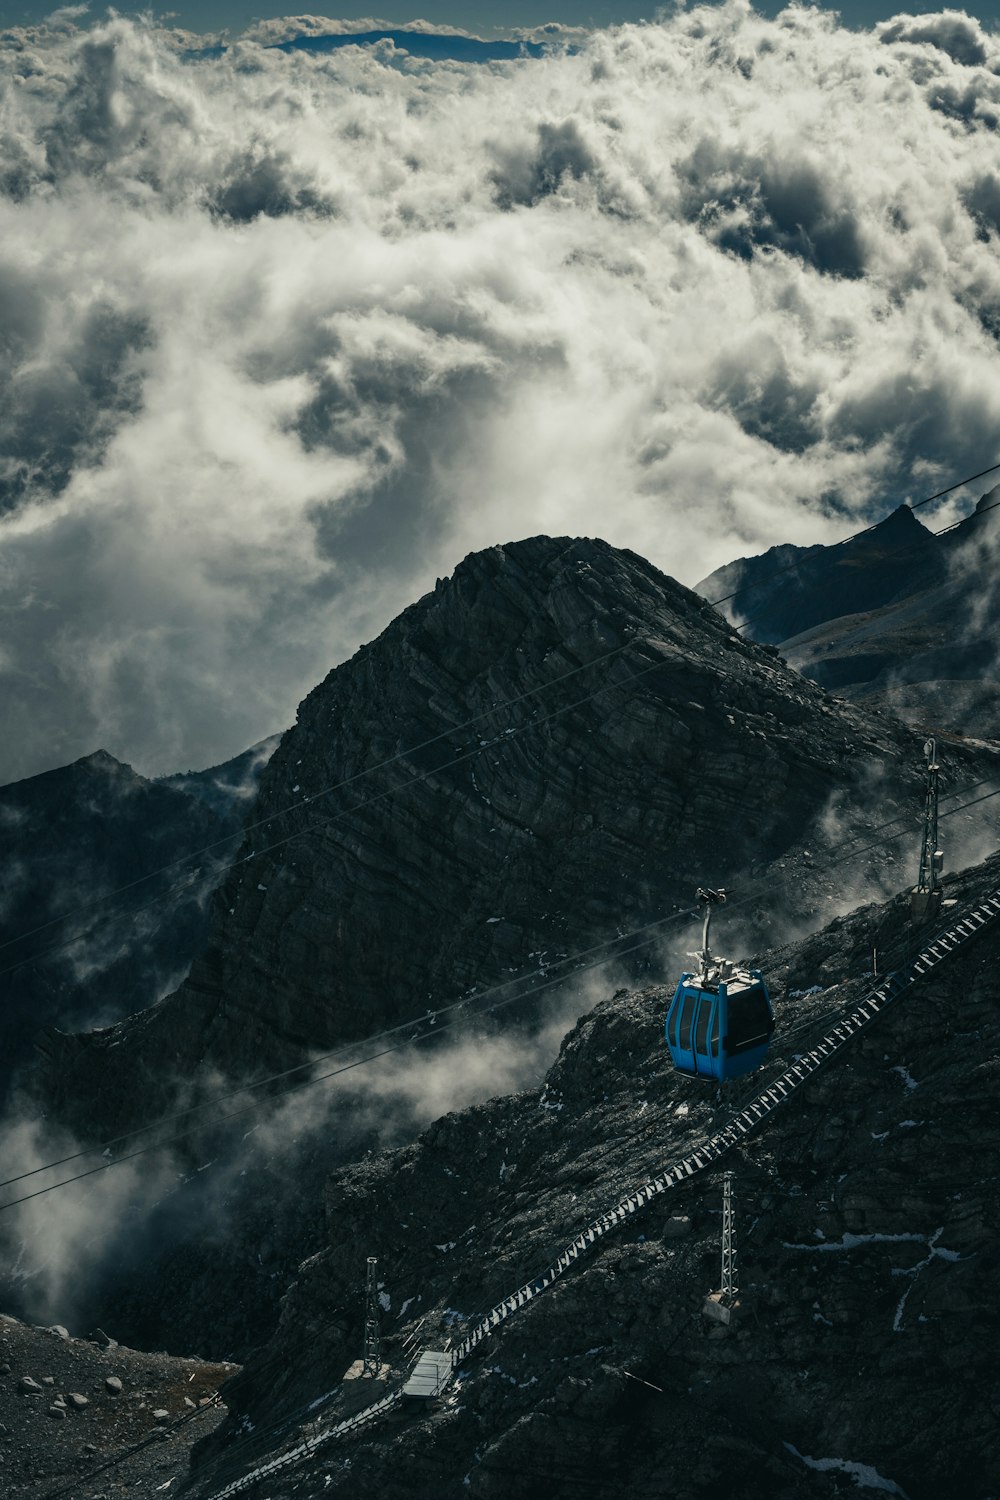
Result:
925,898
372,1363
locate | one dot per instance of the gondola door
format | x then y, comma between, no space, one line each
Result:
693,1030
679,1033
701,1033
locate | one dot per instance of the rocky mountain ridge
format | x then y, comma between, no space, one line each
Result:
866,1220
537,813
499,847
546,815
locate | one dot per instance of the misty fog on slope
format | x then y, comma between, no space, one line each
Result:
215,1183
63,1252
287,334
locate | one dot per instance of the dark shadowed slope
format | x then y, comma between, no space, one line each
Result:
71,837
867,1214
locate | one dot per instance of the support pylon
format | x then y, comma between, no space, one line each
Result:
730,1281
372,1363
722,1306
925,898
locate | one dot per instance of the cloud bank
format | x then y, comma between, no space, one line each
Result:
284,335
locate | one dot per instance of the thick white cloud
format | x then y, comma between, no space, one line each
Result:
954,31
282,336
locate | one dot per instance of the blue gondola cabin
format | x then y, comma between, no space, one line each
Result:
720,1028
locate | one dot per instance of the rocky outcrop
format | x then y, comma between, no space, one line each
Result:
453,807
867,1213
232,784
86,1417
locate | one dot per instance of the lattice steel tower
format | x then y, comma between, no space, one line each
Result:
925,898
730,1283
373,1334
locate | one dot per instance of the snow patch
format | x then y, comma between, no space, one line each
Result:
933,1253
864,1475
852,1241
320,1399
911,1083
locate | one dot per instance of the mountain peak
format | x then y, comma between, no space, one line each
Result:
538,736
901,519
103,760
787,591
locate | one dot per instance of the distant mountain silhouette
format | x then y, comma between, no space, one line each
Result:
898,618
73,835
